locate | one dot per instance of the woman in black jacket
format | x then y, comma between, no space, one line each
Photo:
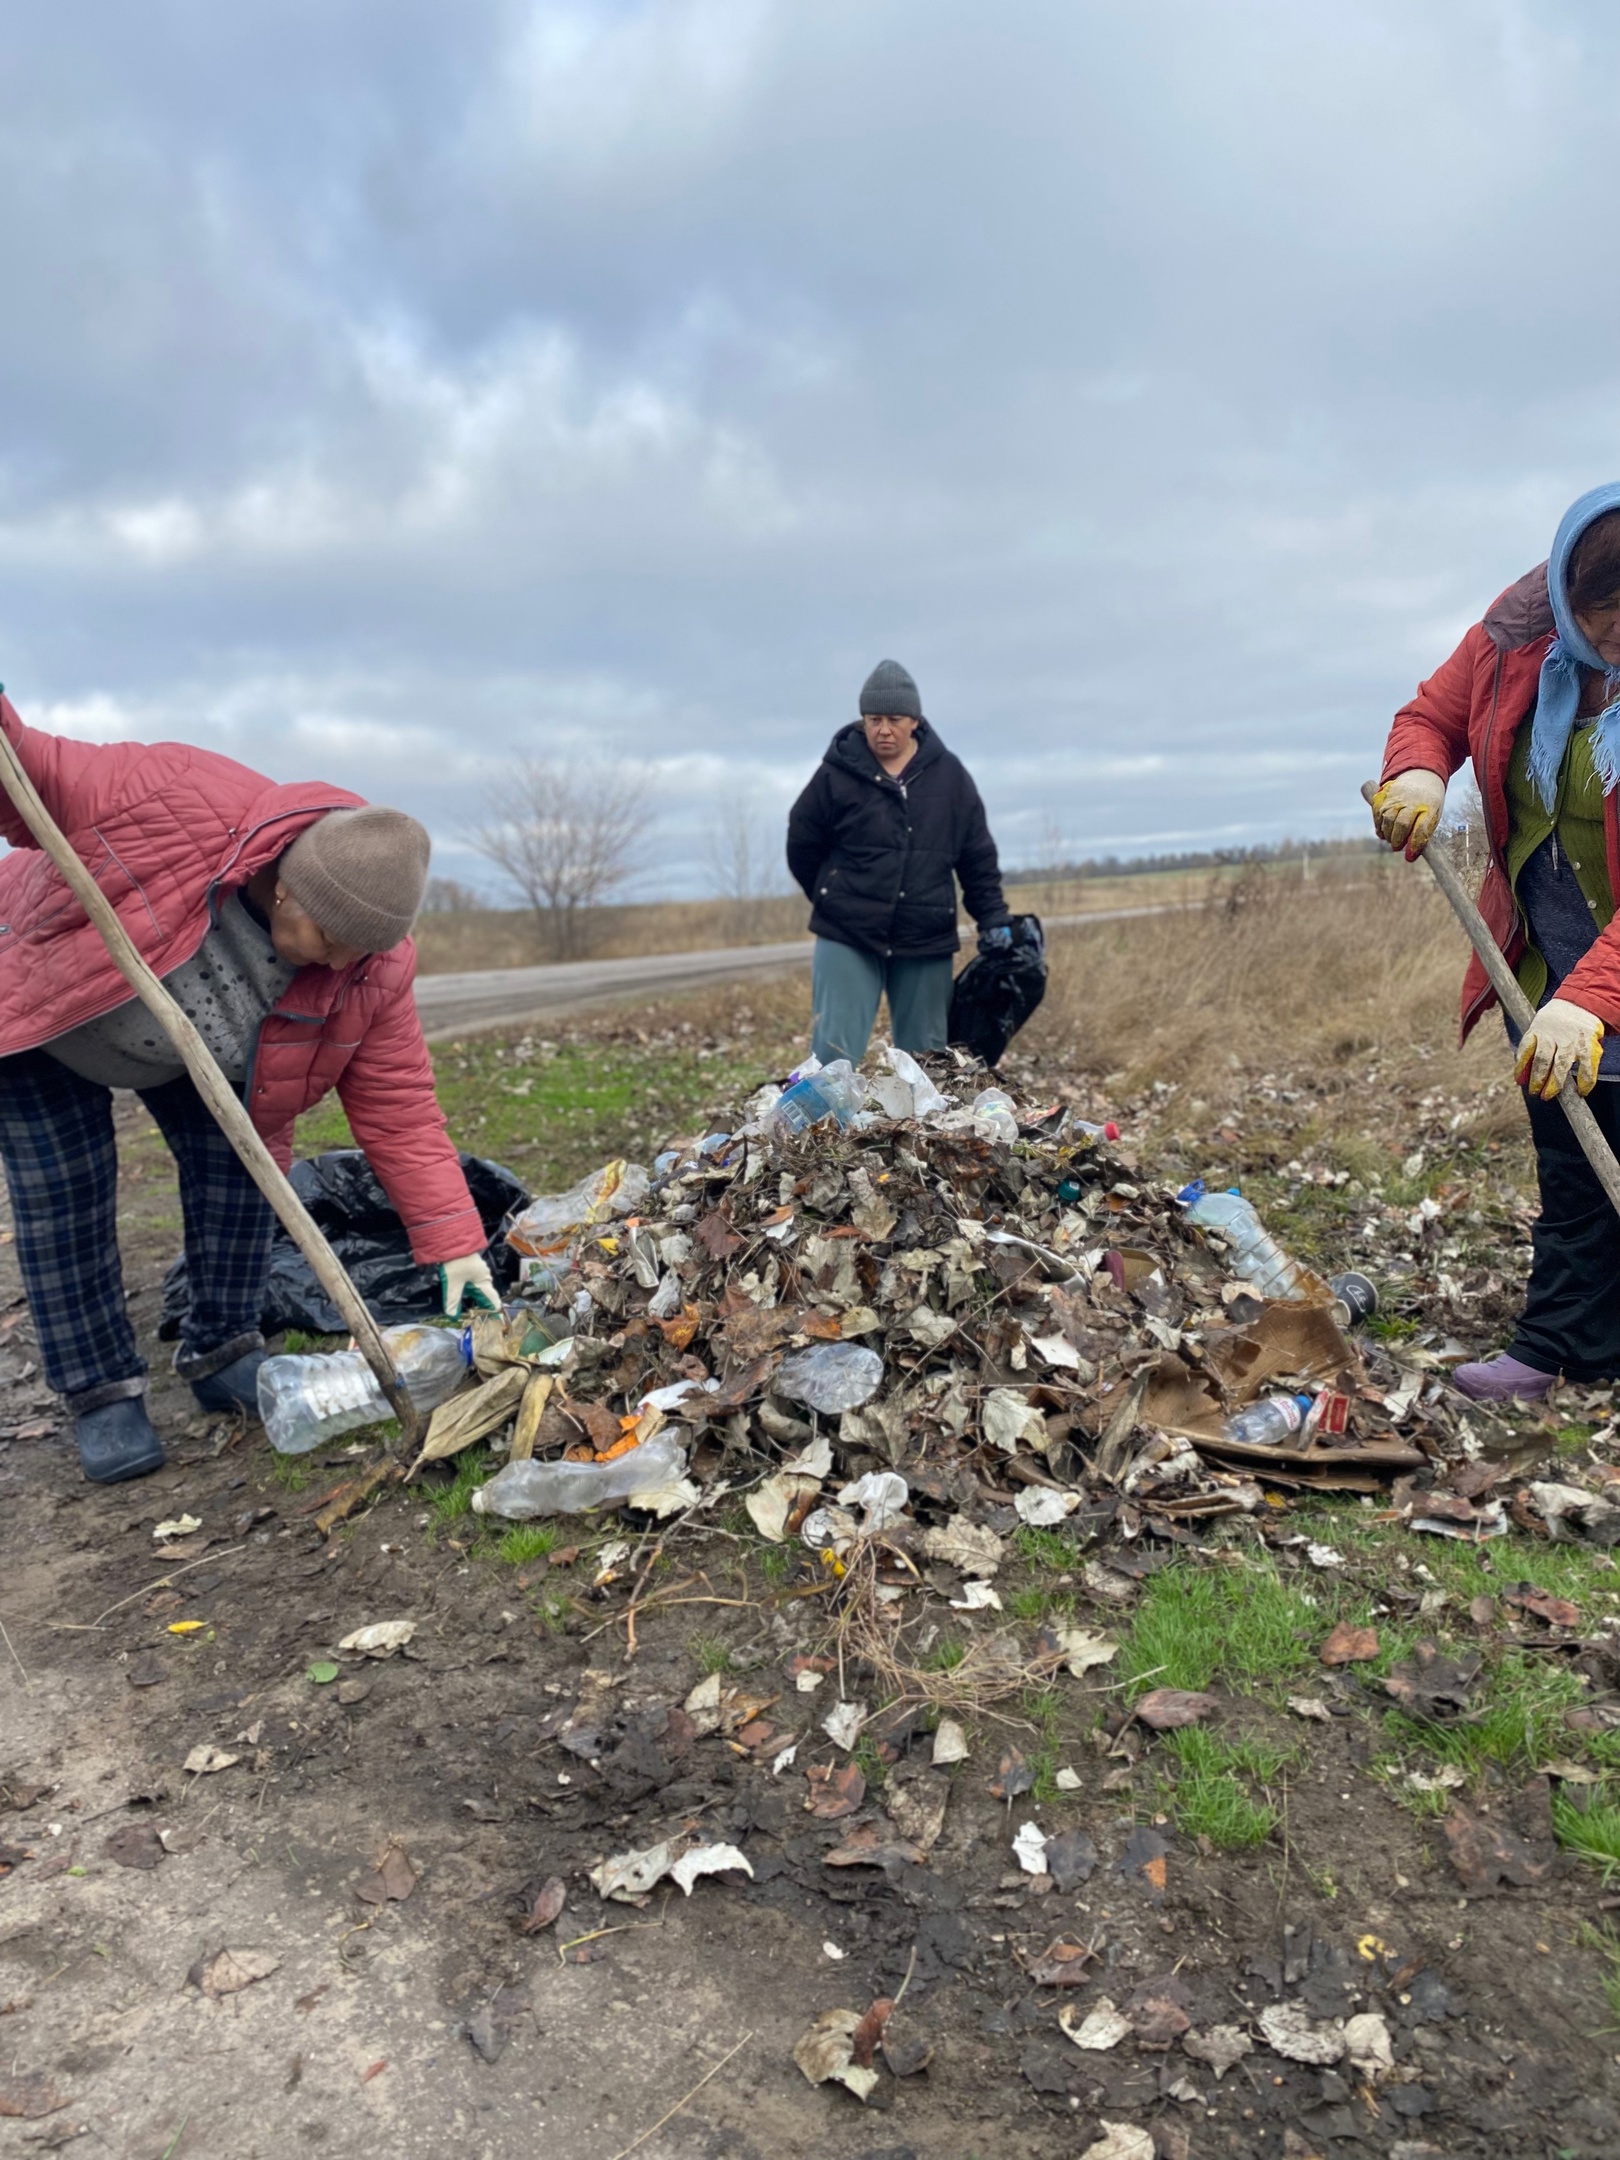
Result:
877,841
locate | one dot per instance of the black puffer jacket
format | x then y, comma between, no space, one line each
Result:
875,856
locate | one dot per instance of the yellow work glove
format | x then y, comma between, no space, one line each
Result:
1564,1039
468,1278
1407,809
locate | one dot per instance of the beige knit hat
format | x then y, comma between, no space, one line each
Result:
360,875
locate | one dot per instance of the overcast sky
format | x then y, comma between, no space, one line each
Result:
393,390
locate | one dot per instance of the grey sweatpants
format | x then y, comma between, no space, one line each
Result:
846,985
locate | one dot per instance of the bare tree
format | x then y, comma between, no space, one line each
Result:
744,852
567,837
448,896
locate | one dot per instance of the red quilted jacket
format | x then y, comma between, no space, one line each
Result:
1473,706
164,828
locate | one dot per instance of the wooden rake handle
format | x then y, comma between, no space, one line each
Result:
1519,1010
215,1090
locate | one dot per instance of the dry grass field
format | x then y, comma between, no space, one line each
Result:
510,937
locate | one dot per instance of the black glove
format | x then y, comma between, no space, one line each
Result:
997,940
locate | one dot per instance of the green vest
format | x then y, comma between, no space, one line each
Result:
1577,820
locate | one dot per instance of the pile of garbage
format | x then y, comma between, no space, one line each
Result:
942,1299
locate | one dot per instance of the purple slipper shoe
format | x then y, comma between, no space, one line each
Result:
1502,1379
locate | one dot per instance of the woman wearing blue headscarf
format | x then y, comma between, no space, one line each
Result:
1532,695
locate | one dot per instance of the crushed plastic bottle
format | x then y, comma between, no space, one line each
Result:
526,1489
1269,1422
831,1376
834,1090
1254,1255
307,1401
549,1224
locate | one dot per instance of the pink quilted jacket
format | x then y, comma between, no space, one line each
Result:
164,828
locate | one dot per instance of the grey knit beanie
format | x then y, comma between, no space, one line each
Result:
890,689
359,875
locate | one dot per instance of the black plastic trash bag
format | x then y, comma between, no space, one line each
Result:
997,991
342,1192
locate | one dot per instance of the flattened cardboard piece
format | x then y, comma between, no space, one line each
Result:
1288,1340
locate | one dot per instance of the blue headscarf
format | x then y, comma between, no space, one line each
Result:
1560,691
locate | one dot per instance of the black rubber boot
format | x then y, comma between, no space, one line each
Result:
233,1387
117,1442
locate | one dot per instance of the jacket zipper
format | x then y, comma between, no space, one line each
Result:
905,853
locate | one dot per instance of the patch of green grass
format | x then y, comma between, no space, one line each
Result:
945,1655
452,1503
1391,1327
778,1563
295,1473
1044,1548
1244,1624
1518,1725
1043,1707
1030,1603
1607,1945
1591,1830
528,1541
869,1762
712,1655
1211,1796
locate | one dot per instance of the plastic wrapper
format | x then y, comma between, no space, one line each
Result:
548,1226
831,1376
905,1090
345,1196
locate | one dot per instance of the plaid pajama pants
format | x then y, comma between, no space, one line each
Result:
61,1164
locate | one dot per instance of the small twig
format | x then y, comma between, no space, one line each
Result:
641,1584
28,1684
625,1927
86,1627
637,2143
911,1967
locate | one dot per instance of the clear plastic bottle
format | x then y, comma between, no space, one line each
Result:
1269,1422
1254,1255
834,1090
525,1489
307,1401
1110,1131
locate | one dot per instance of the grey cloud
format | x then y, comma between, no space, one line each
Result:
392,390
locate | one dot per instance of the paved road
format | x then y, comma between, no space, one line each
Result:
506,997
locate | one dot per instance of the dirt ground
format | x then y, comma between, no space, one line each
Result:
514,1742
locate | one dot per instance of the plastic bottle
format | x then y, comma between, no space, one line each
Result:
1110,1131
525,1489
834,1090
307,1401
1269,1422
1254,1255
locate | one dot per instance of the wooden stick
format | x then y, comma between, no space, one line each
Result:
212,1085
1519,1010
